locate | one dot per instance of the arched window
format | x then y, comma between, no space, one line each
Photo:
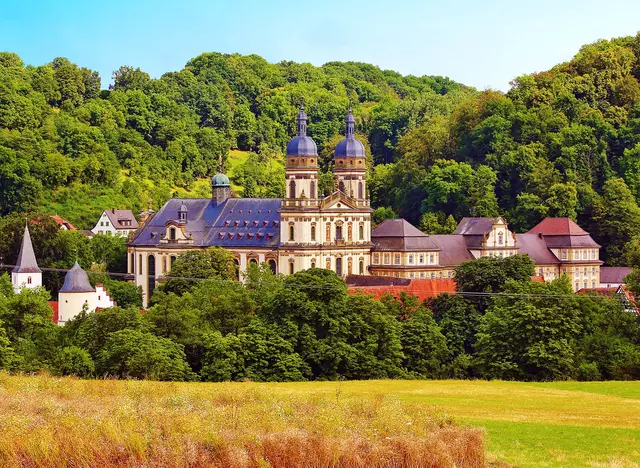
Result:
361,267
273,266
172,233
338,232
313,233
361,232
236,264
29,280
291,233
140,264
173,259
313,264
292,189
312,190
360,191
253,261
291,268
132,263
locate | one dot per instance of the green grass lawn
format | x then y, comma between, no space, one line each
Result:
528,424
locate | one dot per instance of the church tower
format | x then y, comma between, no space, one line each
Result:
350,165
302,167
26,273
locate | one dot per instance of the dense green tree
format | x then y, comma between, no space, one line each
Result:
72,360
196,265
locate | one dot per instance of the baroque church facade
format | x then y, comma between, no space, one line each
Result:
305,230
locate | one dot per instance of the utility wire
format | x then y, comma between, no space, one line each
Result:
390,289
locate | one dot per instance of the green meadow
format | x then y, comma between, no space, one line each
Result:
527,424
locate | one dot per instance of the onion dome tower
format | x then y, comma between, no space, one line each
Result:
302,163
350,163
26,273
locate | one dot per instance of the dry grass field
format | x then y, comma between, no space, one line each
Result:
54,422
51,422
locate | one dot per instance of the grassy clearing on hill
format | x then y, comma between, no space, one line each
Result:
55,422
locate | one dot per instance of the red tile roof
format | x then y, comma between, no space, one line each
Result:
421,288
558,227
62,222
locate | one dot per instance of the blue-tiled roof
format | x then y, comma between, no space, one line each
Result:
238,222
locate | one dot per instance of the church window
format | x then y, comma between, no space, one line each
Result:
313,233
253,261
291,268
291,233
397,259
360,190
172,234
164,264
500,238
410,259
236,264
173,259
338,232
361,232
339,266
292,189
132,263
272,266
313,263
312,189
140,264
361,267
29,280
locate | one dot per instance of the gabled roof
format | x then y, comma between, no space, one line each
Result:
117,216
61,222
613,275
475,226
361,280
558,227
26,262
421,288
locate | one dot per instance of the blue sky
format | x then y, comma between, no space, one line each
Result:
483,44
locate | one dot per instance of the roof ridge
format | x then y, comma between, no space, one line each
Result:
26,262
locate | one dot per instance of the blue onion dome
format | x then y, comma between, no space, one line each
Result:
350,146
76,281
302,145
220,180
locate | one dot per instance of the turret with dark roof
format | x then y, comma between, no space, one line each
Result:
26,258
76,281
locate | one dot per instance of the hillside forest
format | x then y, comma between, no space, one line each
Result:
563,142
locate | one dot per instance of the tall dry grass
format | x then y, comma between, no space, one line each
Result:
63,422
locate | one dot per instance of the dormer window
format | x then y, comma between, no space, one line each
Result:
172,233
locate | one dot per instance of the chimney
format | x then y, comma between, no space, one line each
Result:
113,210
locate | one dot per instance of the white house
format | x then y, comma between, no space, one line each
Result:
120,222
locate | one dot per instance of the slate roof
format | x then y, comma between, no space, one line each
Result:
76,281
613,275
536,248
453,249
26,262
474,226
117,216
398,235
238,222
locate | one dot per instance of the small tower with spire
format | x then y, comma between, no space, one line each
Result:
26,273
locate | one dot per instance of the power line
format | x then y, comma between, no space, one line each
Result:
394,289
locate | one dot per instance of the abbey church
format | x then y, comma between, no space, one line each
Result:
304,230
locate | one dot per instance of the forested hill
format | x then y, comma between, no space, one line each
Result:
565,142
